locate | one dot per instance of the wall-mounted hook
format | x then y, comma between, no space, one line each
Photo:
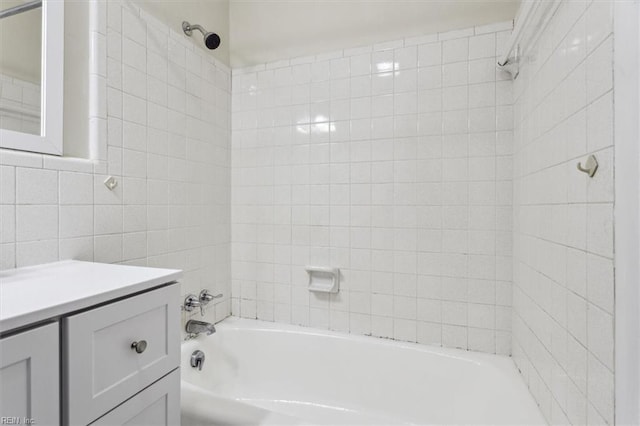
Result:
590,166
111,183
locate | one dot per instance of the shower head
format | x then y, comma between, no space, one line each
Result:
211,40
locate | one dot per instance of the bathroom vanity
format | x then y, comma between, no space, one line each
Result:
88,343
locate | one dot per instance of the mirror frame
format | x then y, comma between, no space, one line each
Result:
51,92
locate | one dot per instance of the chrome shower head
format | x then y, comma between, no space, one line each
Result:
211,40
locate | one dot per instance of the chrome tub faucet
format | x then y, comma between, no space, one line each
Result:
195,327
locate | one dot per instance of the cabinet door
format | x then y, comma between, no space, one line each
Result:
30,377
103,368
157,405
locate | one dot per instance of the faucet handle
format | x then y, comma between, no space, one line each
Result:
191,302
197,359
206,296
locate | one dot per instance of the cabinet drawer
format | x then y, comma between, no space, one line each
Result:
157,405
103,369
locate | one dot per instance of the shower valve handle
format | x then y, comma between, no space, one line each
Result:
191,302
206,296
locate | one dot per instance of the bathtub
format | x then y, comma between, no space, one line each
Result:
273,374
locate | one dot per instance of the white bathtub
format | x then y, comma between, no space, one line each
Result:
263,373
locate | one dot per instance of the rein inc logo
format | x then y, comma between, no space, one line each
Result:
7,420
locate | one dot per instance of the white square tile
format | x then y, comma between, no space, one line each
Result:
430,77
455,50
429,333
36,222
482,46
134,54
600,229
77,249
7,185
599,23
340,68
134,82
482,95
36,186
76,221
600,385
108,219
36,252
455,74
455,98
600,335
406,80
430,54
404,330
7,224
481,340
406,57
134,245
108,248
577,318
454,336
482,71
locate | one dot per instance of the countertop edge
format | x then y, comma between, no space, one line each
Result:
7,325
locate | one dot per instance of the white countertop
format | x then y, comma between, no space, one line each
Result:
34,294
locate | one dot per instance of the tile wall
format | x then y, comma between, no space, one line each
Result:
391,162
563,294
161,120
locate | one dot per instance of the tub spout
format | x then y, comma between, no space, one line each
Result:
197,327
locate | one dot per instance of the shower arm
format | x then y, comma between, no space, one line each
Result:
188,28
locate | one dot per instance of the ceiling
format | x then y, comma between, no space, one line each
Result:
267,30
258,31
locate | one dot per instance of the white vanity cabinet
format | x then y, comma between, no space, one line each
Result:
29,379
100,345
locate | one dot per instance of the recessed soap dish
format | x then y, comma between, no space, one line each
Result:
323,279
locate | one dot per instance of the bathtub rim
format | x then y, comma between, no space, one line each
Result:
477,358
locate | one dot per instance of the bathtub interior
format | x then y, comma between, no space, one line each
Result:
321,377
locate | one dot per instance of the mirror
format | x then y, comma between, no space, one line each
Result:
20,66
31,75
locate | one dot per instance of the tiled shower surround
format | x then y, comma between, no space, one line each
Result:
161,121
393,163
563,221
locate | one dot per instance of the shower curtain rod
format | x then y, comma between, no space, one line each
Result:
20,8
523,16
532,16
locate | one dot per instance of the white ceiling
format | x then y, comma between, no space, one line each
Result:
267,30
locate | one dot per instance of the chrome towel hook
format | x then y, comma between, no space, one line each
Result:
590,166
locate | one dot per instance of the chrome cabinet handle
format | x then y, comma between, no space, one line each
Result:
140,346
